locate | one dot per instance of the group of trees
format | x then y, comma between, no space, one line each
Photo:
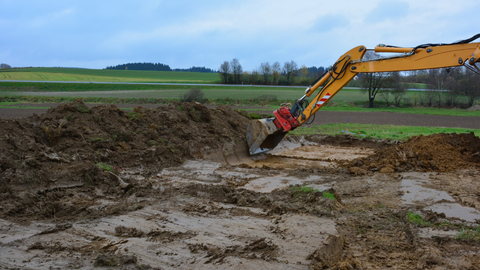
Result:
444,86
196,69
276,74
158,67
3,65
142,66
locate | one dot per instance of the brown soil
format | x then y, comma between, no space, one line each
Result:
85,187
438,152
72,145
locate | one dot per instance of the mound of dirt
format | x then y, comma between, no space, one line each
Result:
438,152
474,108
74,145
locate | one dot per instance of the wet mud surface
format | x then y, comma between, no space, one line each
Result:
173,188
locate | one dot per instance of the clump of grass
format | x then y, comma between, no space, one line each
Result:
104,166
469,234
254,116
195,94
417,219
96,140
328,195
152,143
83,109
307,190
132,116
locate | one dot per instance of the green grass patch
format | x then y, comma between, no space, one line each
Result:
254,116
417,219
107,75
104,166
417,110
469,234
303,190
377,131
349,100
328,195
132,116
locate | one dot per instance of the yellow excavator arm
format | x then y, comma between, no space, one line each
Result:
265,134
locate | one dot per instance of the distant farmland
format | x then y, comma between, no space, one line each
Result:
107,75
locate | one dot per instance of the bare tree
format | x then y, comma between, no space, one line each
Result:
372,83
398,88
237,70
428,97
266,72
437,80
452,84
276,69
290,70
470,85
385,95
224,71
3,65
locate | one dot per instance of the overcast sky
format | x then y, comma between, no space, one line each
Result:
185,33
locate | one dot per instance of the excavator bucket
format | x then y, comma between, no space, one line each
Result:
263,135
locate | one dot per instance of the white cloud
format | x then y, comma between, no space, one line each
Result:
183,33
45,20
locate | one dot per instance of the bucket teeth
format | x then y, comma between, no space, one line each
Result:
263,135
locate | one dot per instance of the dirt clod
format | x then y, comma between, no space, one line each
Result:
331,255
106,260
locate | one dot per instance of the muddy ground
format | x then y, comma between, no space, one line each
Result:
173,188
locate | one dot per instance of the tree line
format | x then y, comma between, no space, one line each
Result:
158,67
444,86
268,74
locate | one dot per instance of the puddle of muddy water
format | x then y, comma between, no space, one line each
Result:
457,211
415,193
268,184
433,232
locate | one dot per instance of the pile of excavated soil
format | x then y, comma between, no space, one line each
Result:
437,152
474,108
74,145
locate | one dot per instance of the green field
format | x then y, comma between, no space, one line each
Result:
107,75
347,99
377,131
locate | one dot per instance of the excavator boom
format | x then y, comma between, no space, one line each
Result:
265,134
